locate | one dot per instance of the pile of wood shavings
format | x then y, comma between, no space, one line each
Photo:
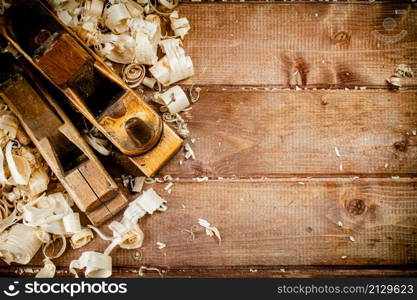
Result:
30,220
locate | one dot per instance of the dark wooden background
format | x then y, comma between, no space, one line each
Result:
276,189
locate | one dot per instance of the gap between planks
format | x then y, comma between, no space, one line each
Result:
246,272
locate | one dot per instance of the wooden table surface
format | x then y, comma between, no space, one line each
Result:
283,84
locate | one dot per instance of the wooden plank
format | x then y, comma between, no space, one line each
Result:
252,133
278,223
330,45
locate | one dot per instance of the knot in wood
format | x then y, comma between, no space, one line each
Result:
341,37
356,207
401,146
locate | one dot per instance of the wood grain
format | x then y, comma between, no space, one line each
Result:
278,224
253,133
269,141
305,44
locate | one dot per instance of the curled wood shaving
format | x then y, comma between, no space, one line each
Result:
46,210
174,99
48,270
82,238
189,153
190,231
101,145
174,66
404,71
127,235
138,183
210,230
19,244
150,201
96,265
38,182
72,223
394,80
133,74
149,82
143,268
9,124
18,165
180,26
179,123
51,243
197,96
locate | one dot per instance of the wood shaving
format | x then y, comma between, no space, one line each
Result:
134,74
394,81
98,142
82,238
161,245
201,179
179,123
143,268
180,26
137,184
174,66
189,153
97,265
127,233
168,186
190,231
19,244
403,70
51,243
197,96
38,182
48,270
149,82
150,201
72,223
210,230
174,99
336,150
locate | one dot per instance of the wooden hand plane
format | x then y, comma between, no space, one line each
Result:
59,142
90,85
